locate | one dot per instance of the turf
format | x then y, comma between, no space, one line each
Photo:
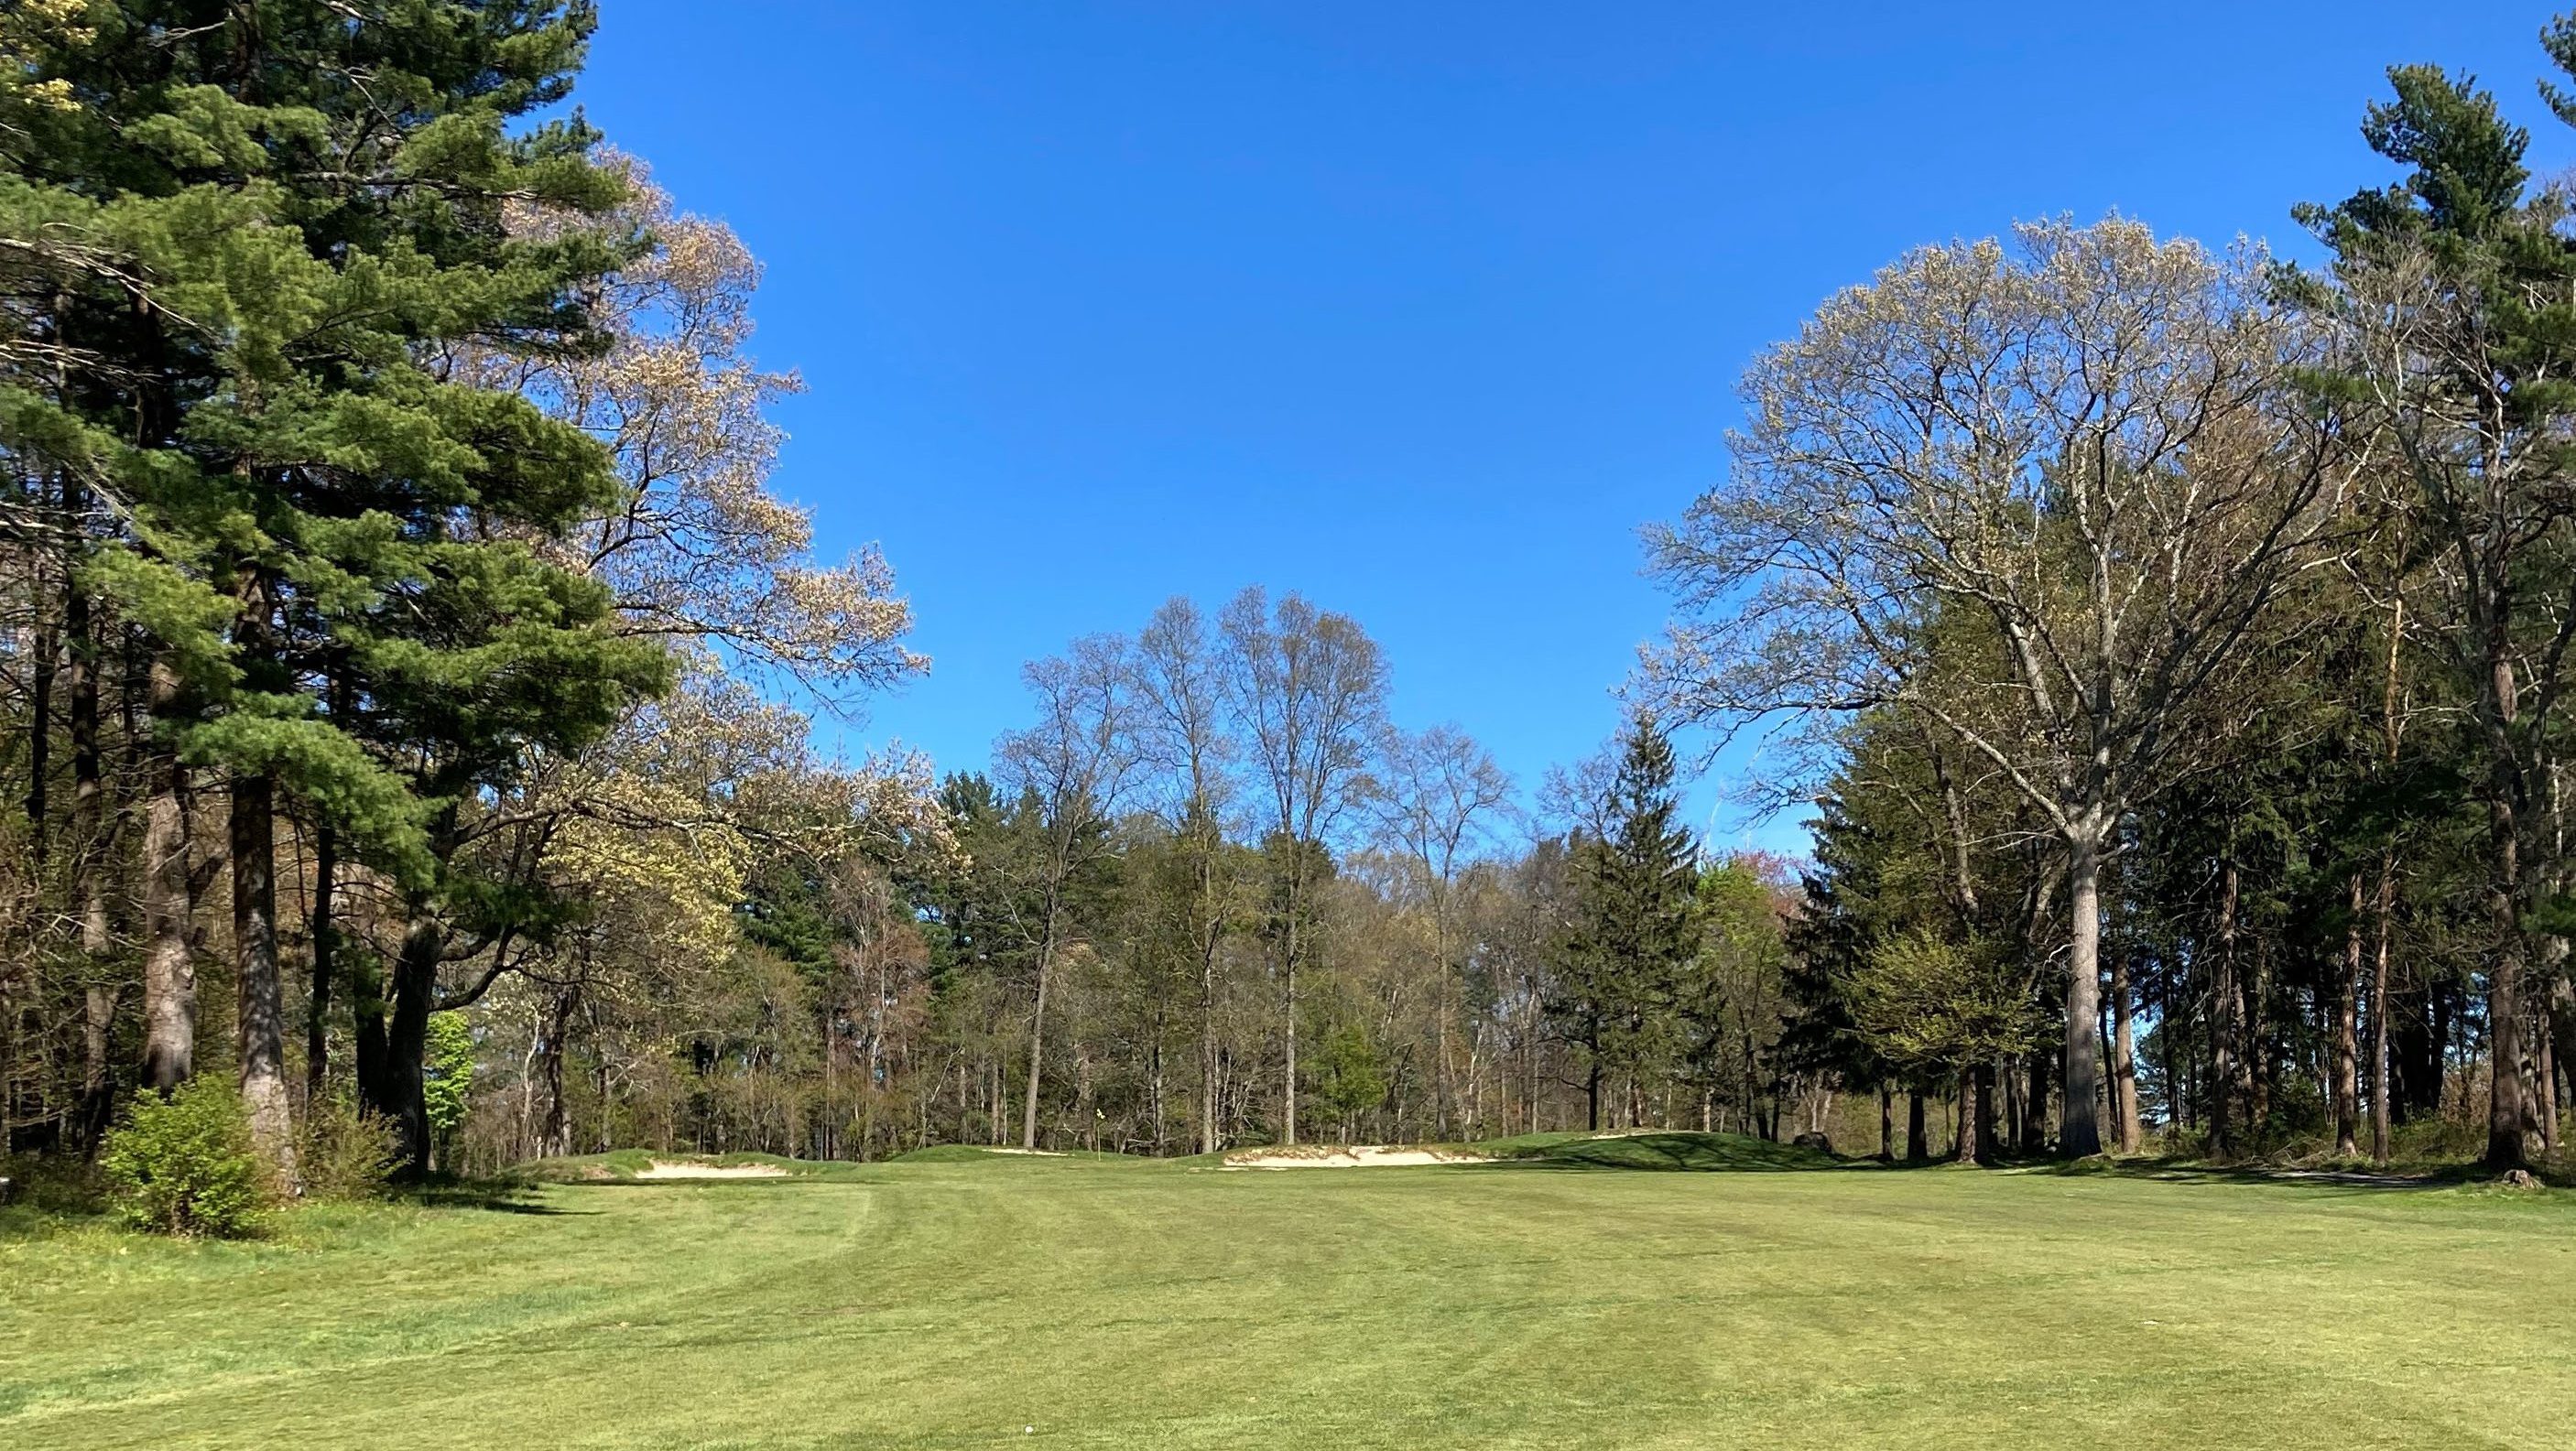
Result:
1579,1297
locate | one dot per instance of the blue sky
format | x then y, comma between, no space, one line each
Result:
1418,309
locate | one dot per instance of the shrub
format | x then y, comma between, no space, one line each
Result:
187,1166
345,1152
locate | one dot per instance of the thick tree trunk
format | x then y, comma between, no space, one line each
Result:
2079,1133
169,964
262,1011
1886,1122
1965,1148
398,1091
1918,1140
554,1137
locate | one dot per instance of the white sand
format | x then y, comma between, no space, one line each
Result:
1360,1156
665,1169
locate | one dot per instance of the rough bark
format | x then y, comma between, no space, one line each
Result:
1918,1140
2079,1133
2124,1063
169,964
262,1004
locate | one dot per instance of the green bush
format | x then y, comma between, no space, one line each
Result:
186,1166
345,1152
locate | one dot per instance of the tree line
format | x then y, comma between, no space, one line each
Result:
394,599
2179,639
409,677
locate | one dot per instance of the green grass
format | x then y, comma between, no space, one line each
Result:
1569,1300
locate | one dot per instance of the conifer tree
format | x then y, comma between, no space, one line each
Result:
1632,938
251,231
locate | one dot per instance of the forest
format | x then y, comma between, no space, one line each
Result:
411,682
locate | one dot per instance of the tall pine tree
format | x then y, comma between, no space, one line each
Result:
251,231
1622,962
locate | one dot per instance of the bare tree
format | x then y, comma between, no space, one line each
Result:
1072,768
1439,797
1310,688
2086,441
1181,712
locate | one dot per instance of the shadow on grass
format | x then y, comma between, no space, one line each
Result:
1676,1151
493,1196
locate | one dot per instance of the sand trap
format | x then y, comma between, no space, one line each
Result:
665,1169
1359,1156
1030,1153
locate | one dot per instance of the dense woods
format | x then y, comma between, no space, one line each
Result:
409,679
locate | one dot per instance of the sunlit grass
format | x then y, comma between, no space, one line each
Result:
995,1299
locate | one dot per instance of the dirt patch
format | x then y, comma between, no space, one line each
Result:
1360,1156
665,1169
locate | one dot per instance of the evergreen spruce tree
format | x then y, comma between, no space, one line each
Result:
1622,963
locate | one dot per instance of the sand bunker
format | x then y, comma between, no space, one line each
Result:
1360,1156
666,1169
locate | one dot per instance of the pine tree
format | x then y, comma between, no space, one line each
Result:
252,231
1622,963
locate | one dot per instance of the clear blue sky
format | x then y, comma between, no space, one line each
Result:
1419,309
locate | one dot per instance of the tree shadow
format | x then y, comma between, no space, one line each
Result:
491,1196
1678,1151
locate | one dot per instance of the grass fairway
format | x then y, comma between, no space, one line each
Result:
1110,1304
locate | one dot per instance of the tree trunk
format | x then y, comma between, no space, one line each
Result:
169,962
2383,1088
1886,1123
262,1013
1288,1120
2506,1110
1037,1031
2124,1062
91,853
2225,1004
1918,1140
399,1095
554,1138
2079,1133
2347,1033
317,1002
1966,1149
2034,1124
1209,1141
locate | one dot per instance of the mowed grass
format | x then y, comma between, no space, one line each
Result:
1575,1301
